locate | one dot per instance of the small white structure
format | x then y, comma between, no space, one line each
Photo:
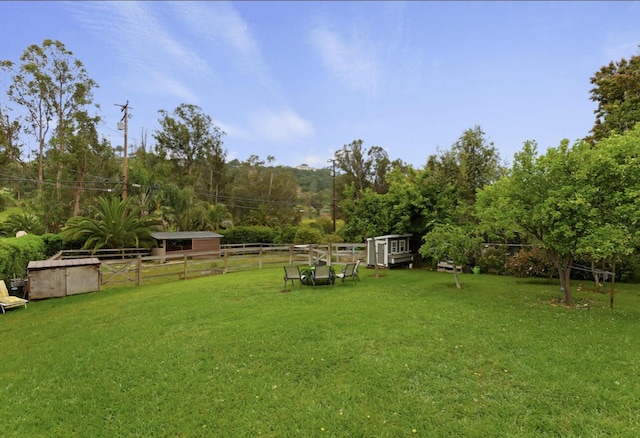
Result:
389,250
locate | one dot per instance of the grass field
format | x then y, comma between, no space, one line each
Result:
8,212
405,354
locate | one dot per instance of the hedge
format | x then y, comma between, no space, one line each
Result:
17,252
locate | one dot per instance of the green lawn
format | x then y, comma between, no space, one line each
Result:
8,212
402,355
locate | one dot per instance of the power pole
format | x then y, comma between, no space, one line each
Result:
124,125
333,175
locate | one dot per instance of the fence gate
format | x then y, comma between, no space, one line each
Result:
127,270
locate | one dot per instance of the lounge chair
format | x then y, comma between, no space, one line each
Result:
8,301
322,273
350,270
292,273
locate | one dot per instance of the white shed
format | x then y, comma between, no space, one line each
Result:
59,278
389,250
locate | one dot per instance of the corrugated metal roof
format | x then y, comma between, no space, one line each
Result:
44,264
184,235
390,236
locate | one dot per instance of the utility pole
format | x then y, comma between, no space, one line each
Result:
333,175
124,125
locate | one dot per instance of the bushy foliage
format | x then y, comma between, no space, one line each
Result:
53,243
30,223
628,268
249,234
325,224
531,262
308,235
493,260
286,234
332,238
17,252
115,224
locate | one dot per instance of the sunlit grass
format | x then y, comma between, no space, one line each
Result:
4,214
405,354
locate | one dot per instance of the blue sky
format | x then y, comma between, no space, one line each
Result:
298,80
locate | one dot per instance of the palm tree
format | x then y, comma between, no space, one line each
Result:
116,224
27,222
218,216
262,216
182,210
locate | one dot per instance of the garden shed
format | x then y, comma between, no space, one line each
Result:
185,242
389,250
59,278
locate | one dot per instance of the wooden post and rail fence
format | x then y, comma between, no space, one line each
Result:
136,266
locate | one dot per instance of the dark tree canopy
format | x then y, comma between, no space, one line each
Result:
616,89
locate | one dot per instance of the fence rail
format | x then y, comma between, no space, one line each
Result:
139,267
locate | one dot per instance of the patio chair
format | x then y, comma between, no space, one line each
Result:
292,273
8,301
322,273
350,270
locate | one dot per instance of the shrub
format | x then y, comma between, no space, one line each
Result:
286,234
248,234
308,235
332,238
17,252
531,262
493,260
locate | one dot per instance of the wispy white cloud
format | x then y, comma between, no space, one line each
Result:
222,28
282,126
218,20
621,49
135,34
170,85
354,62
233,131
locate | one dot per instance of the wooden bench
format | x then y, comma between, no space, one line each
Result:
448,267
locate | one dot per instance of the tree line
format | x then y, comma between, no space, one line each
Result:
575,201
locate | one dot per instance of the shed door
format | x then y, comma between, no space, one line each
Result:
381,256
47,283
81,279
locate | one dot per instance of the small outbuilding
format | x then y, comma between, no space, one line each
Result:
389,250
186,242
59,278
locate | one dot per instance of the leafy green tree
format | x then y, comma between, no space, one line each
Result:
90,161
11,162
218,216
449,242
51,86
115,223
263,194
182,210
368,215
616,89
470,164
363,168
193,143
573,201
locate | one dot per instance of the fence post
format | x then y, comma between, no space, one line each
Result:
290,255
330,254
139,271
225,253
260,258
185,266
